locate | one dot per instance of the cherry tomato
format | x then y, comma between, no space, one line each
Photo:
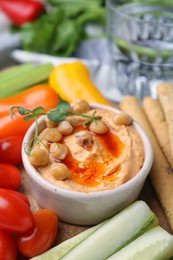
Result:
15,215
21,196
10,150
41,237
10,177
8,247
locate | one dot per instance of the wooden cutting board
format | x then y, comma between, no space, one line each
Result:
66,230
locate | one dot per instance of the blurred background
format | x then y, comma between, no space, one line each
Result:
56,27
132,39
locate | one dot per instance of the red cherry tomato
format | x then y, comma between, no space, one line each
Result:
8,247
21,196
15,215
10,150
10,177
41,237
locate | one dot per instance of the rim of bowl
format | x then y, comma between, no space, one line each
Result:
140,176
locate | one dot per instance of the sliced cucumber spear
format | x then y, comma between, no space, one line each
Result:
155,244
106,238
58,251
115,233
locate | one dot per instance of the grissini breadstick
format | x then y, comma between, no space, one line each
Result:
165,94
155,115
161,174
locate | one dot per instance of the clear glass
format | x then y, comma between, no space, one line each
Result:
140,38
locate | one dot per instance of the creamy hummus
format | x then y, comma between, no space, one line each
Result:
113,158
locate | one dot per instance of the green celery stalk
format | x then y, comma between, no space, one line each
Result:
32,77
14,71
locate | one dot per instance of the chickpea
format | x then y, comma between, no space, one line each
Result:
42,135
81,106
58,151
65,128
50,123
53,135
84,138
59,171
122,119
98,127
39,156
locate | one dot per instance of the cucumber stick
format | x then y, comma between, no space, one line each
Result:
154,244
115,233
58,251
34,75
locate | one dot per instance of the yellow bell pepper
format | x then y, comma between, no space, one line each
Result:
72,81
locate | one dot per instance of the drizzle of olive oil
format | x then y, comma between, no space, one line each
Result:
93,173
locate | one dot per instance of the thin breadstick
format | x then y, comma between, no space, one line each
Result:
155,115
161,174
165,94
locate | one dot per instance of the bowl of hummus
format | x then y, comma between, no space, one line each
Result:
88,164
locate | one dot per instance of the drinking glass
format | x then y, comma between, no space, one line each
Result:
140,37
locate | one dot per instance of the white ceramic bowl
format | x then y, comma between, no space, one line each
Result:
86,208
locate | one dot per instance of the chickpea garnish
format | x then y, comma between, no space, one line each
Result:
39,156
56,115
59,171
98,127
122,119
58,151
65,128
84,138
81,106
53,135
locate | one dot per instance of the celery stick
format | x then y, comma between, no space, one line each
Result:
14,71
155,244
58,251
114,234
34,76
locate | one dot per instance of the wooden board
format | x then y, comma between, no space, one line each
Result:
66,230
